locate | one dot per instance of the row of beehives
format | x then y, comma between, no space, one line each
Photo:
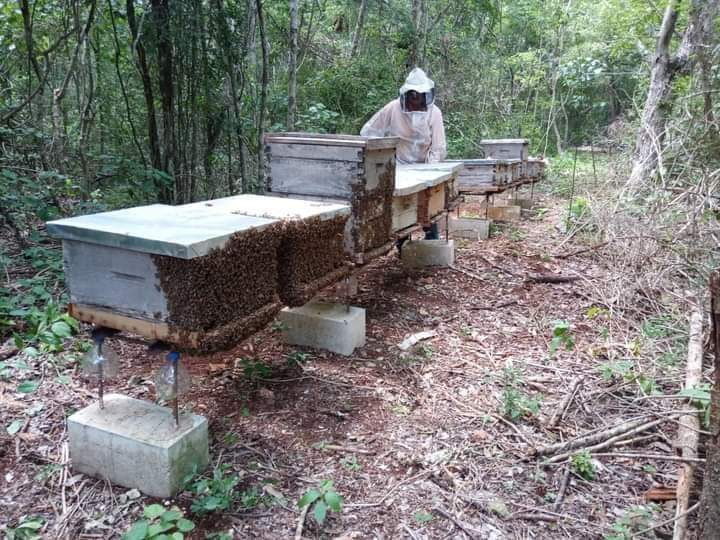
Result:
386,199
206,275
202,275
506,164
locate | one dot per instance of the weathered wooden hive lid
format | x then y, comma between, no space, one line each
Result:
504,141
263,206
158,229
413,178
328,139
488,161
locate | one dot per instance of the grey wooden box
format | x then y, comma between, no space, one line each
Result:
487,175
536,168
172,273
359,170
507,149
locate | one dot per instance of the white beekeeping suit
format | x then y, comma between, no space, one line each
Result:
415,119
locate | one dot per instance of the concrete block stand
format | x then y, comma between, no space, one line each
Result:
504,213
470,228
424,253
136,444
328,326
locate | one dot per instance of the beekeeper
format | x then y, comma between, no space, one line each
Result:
415,119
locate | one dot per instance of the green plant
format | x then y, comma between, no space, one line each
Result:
321,499
515,404
214,494
351,463
28,529
160,524
255,370
562,336
47,328
298,358
700,397
278,326
422,516
637,518
619,368
582,465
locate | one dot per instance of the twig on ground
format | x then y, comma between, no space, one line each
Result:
301,522
464,527
687,436
563,488
565,403
663,523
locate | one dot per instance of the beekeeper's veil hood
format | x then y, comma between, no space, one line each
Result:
422,84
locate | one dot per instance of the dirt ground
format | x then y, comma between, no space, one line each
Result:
419,443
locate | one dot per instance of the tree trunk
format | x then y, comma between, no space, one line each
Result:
142,65
358,28
658,104
292,67
710,498
263,98
161,17
648,147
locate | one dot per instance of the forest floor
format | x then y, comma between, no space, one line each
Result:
437,441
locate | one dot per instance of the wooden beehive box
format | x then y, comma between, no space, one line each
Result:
311,253
198,279
359,170
487,175
536,169
507,149
422,192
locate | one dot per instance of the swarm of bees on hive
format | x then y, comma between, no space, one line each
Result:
371,230
227,284
311,257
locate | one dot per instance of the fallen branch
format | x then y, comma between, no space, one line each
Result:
688,436
415,338
613,433
659,457
467,529
564,404
663,523
496,267
581,251
466,272
301,521
496,306
563,489
551,278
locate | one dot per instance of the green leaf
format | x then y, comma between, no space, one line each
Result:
153,511
137,532
33,525
310,496
171,515
158,528
333,500
14,427
61,329
27,387
696,394
177,536
185,525
320,512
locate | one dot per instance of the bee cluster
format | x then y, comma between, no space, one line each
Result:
311,256
372,212
226,288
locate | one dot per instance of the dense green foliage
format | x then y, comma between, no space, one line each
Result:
111,104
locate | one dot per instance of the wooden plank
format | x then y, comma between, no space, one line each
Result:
318,151
332,140
436,202
314,177
405,211
123,280
149,329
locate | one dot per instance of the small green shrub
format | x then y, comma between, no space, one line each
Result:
214,494
321,500
562,336
160,524
582,465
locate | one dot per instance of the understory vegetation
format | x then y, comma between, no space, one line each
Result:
484,431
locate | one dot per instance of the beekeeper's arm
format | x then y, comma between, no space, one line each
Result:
438,145
379,124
